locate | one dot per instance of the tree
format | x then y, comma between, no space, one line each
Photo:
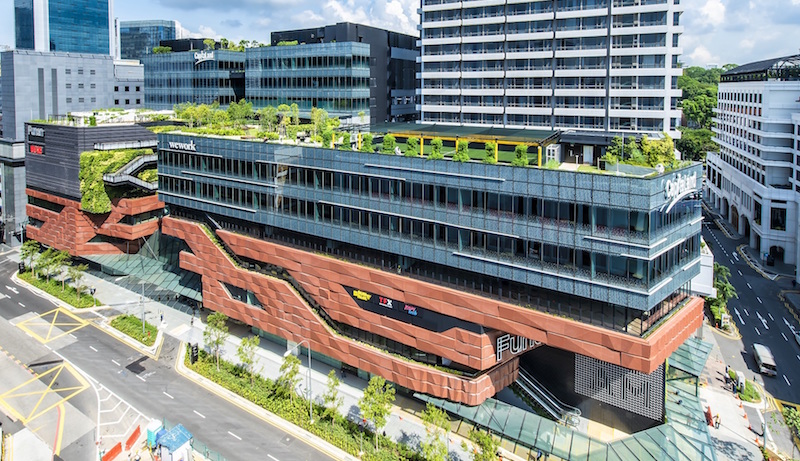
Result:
388,144
268,116
490,151
284,111
76,274
327,139
362,116
366,143
695,143
29,251
331,398
210,43
319,120
295,110
52,262
485,446
376,403
161,49
462,151
436,149
247,354
792,418
224,43
437,424
243,44
615,150
239,113
520,155
216,333
412,147
289,376
220,117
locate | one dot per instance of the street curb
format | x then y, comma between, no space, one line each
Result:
754,266
307,437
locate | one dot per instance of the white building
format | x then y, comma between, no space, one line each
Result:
597,65
755,179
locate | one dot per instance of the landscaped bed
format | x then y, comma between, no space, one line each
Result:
56,288
132,326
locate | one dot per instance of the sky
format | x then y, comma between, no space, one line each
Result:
716,32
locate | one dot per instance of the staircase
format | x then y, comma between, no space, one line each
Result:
563,413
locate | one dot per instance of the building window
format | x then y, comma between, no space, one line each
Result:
69,86
92,72
116,88
138,101
94,99
68,71
777,220
127,101
80,71
80,100
757,212
92,85
138,88
127,89
116,102
80,85
69,100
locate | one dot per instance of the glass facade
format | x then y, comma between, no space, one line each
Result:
330,76
547,239
79,26
23,24
175,78
137,38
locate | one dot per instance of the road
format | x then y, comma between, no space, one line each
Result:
761,318
152,387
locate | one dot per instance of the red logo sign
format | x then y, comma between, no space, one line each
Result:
36,149
385,302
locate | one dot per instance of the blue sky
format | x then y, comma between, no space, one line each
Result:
715,31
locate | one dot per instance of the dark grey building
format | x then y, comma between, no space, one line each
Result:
392,64
138,38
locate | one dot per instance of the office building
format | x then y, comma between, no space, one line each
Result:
12,192
69,26
754,180
45,85
589,65
138,38
96,210
392,69
439,276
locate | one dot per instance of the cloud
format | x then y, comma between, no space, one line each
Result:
713,12
702,55
233,23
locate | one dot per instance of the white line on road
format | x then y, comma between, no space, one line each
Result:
116,363
771,317
787,380
22,305
763,322
735,256
740,272
748,286
231,433
272,458
736,311
787,324
761,302
732,263
173,398
199,414
745,312
90,347
784,337
141,378
759,333
75,337
798,357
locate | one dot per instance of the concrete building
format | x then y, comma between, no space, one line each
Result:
138,38
68,26
754,180
589,65
44,85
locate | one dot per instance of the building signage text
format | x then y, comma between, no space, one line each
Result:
34,149
513,344
411,310
36,131
189,146
362,295
678,188
385,302
201,56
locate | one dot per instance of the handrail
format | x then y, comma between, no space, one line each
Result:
565,413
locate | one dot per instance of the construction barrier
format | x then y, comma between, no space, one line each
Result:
133,438
113,453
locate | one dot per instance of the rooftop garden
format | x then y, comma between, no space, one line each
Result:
643,156
96,196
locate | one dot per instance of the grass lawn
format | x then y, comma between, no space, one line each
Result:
54,288
750,394
132,326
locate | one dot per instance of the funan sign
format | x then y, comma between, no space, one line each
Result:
201,56
188,146
36,131
513,344
678,188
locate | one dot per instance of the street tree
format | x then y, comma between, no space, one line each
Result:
216,333
29,251
76,274
247,354
376,403
485,446
437,424
289,376
331,398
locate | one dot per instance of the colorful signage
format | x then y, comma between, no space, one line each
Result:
36,131
362,295
34,149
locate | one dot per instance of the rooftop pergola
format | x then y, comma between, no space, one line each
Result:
507,136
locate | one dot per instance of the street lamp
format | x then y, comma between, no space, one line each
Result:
308,348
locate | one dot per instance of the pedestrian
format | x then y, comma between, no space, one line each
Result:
716,421
191,322
162,317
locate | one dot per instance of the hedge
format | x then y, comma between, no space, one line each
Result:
132,326
53,287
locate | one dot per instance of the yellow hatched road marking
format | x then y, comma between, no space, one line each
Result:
35,411
72,322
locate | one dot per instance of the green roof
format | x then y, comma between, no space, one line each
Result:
476,133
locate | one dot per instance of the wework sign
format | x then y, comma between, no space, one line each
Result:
187,146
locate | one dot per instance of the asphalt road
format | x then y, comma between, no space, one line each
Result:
760,317
157,390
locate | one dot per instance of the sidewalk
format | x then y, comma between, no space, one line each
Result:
403,425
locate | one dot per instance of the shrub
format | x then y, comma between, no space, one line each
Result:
54,288
412,147
520,155
490,152
436,149
749,393
150,175
95,197
389,144
462,151
366,143
132,326
327,137
552,164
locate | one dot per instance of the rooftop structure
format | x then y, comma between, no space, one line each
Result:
138,38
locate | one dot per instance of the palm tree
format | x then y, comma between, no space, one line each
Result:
30,249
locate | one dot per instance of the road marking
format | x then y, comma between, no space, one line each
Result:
22,305
787,380
787,324
231,433
761,302
736,311
759,333
141,378
12,289
763,322
732,263
173,398
798,357
116,363
272,457
201,415
745,312
748,286
92,348
736,256
740,272
771,317
784,337
73,336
